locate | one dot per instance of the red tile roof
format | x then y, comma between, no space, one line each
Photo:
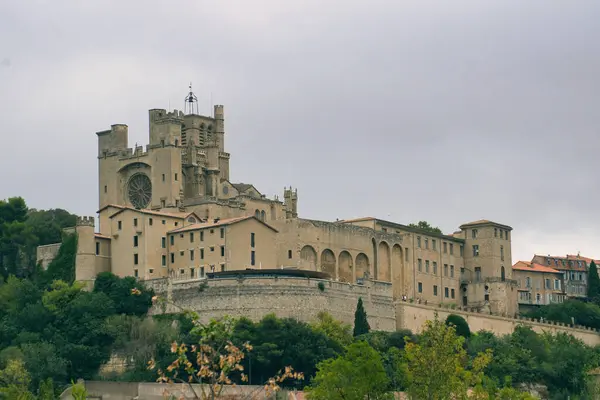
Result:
533,267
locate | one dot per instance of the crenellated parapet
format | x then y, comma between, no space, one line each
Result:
85,221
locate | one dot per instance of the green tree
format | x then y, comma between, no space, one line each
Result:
129,296
335,330
359,374
62,267
461,325
14,381
425,226
437,364
280,342
361,324
593,283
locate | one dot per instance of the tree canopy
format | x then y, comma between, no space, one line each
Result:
425,226
361,324
594,283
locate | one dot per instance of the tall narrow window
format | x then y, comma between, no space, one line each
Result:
222,251
135,259
252,243
97,248
252,257
502,253
135,241
191,237
452,271
163,242
502,274
222,233
191,255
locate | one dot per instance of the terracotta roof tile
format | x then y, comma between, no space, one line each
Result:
533,267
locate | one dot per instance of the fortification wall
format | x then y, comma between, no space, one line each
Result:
413,316
300,298
45,254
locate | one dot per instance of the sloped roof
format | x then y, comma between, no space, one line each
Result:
221,222
533,267
485,222
178,215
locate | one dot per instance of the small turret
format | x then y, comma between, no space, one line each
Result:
290,202
85,258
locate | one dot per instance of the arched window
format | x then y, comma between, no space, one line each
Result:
502,274
257,214
263,215
538,297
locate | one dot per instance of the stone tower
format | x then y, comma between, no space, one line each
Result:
85,258
486,281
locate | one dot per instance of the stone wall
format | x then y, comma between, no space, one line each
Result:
413,316
45,254
156,391
300,298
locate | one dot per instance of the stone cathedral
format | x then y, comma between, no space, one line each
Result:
173,210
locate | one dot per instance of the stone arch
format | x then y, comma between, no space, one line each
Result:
308,258
398,272
375,259
257,214
384,270
263,215
345,272
328,263
361,267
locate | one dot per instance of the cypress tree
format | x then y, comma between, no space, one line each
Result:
361,325
593,283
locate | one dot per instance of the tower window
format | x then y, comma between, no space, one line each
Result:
105,188
175,175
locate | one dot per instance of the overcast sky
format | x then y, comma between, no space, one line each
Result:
445,111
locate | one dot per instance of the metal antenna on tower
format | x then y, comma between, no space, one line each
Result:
191,102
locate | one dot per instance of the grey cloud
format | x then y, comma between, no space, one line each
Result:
445,111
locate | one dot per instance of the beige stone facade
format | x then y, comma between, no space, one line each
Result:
172,210
538,284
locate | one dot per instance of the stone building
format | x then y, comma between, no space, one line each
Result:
574,269
538,284
172,210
